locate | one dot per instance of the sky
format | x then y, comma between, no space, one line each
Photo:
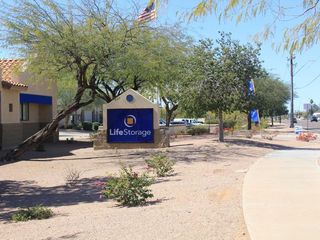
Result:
307,63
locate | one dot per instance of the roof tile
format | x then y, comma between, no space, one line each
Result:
7,67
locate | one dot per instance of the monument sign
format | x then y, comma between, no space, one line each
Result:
130,121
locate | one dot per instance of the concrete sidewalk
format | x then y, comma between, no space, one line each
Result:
281,196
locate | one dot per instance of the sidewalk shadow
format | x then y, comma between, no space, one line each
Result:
244,142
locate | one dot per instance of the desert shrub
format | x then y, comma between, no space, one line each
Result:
211,118
161,165
77,127
72,176
129,189
249,134
95,126
198,130
229,124
235,120
180,131
264,123
70,140
87,126
36,212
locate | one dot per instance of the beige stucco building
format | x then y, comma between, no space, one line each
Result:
26,104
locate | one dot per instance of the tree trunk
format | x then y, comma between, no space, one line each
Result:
44,133
168,117
271,120
249,121
169,111
221,133
280,119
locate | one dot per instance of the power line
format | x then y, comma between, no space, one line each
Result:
312,62
308,84
300,68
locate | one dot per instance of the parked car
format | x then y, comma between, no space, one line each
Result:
314,119
178,123
162,122
196,123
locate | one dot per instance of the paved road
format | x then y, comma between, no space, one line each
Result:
306,124
312,126
281,196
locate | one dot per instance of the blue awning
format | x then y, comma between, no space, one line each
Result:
32,98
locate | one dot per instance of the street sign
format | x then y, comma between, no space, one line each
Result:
130,125
306,106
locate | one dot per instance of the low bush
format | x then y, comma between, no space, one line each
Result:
264,123
161,165
229,124
72,176
198,130
37,212
129,189
77,127
95,126
87,126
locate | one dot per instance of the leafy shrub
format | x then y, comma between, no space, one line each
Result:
87,126
37,212
95,126
129,189
180,132
198,130
161,165
229,124
211,118
264,123
77,127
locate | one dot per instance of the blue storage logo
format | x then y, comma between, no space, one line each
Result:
130,121
130,125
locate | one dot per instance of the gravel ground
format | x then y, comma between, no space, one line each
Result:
202,200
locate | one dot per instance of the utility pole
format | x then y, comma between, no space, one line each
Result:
292,97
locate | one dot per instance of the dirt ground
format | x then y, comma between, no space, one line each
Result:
202,200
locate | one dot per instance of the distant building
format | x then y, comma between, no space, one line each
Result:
25,105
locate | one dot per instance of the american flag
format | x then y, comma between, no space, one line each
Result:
149,13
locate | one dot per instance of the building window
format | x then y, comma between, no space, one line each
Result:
10,107
24,112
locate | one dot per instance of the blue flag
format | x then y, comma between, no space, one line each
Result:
251,87
254,113
254,116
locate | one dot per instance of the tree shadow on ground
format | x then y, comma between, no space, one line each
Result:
21,194
252,143
52,150
59,149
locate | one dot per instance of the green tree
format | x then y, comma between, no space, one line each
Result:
66,92
246,66
174,47
215,87
82,39
272,95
